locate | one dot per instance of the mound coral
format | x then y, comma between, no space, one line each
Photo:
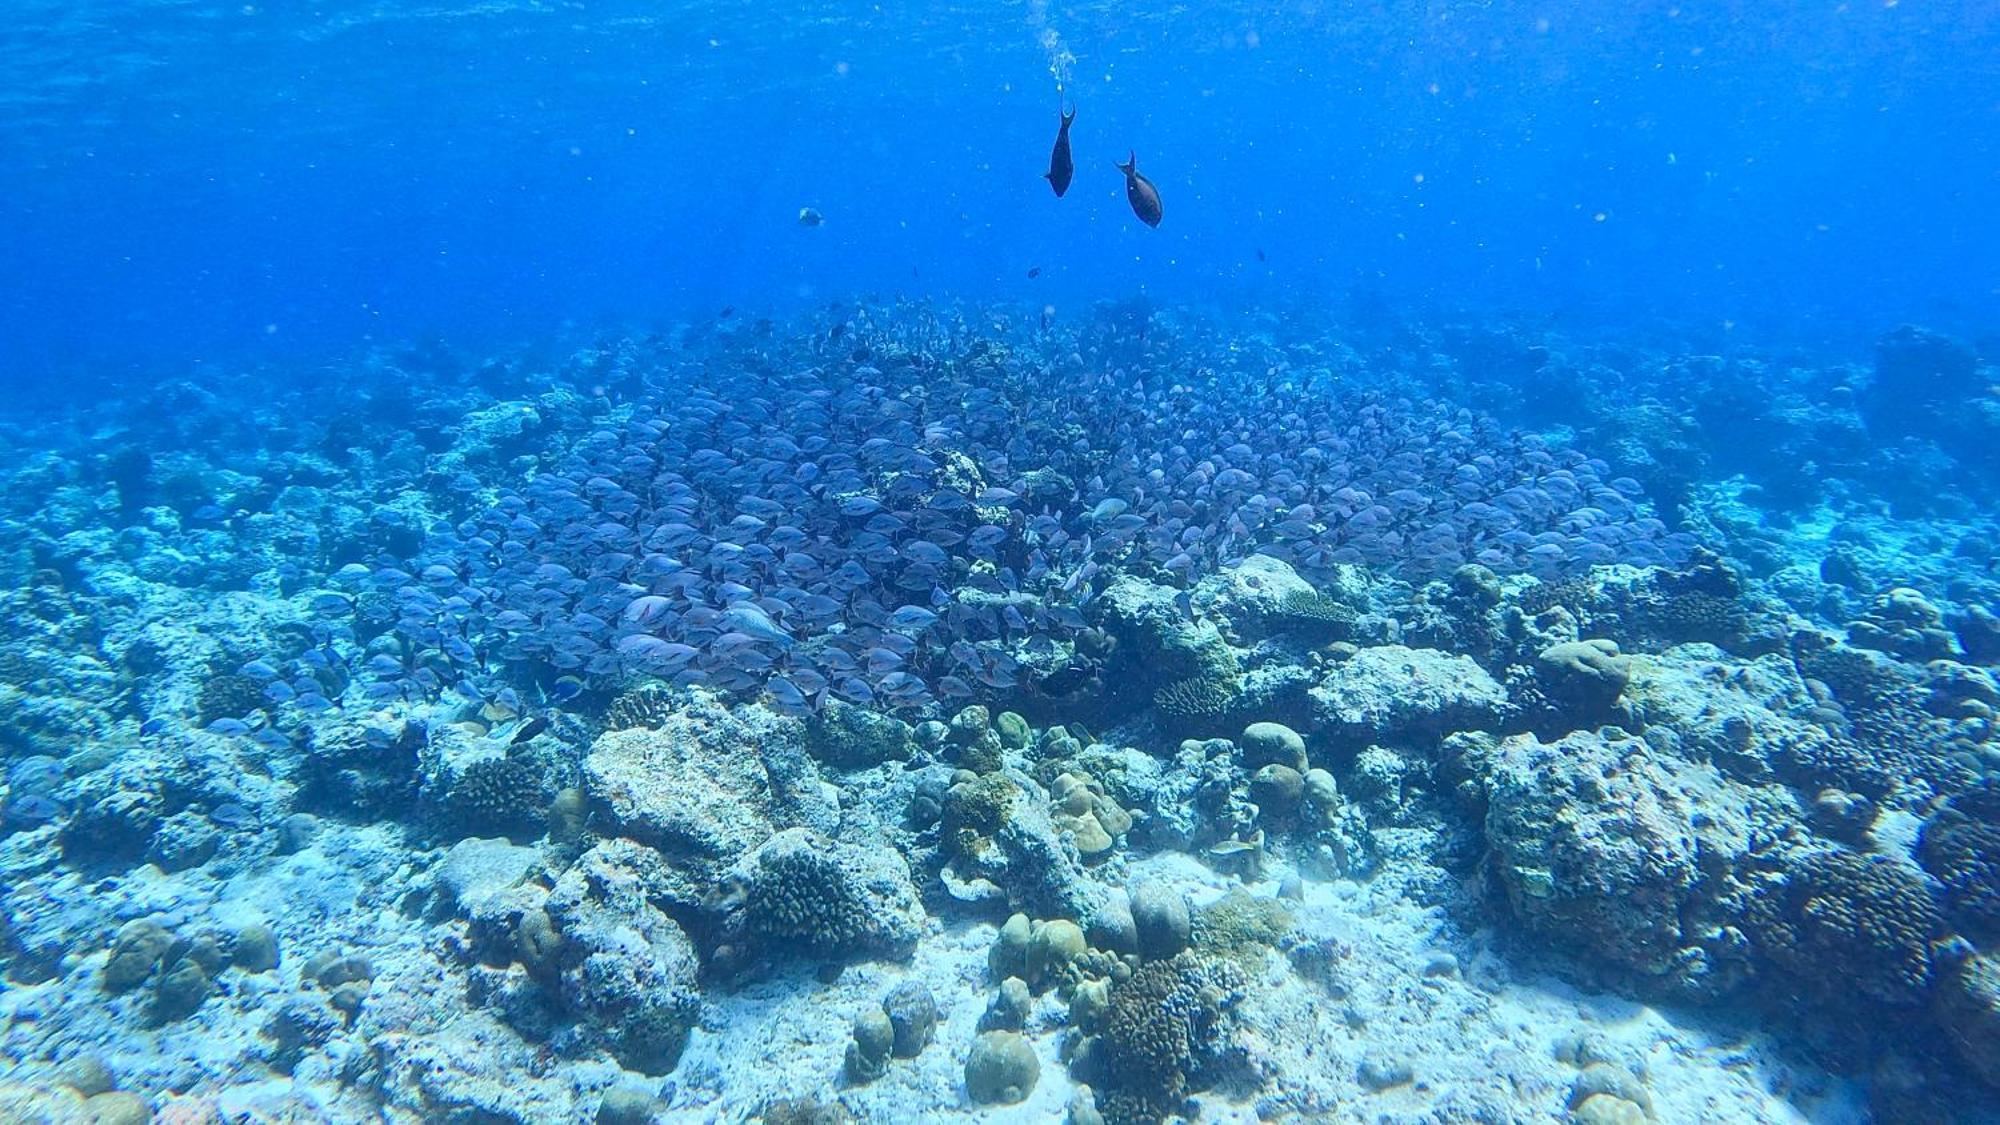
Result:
1842,920
1960,847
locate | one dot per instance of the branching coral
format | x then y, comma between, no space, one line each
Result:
1163,1035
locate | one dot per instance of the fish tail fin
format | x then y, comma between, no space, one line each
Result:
1069,114
1131,164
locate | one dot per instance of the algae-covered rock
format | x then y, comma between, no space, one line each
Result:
87,1074
1968,1006
1241,927
625,966
1152,623
1013,730
1599,1079
1256,597
178,992
1001,1070
869,1049
1009,955
849,737
477,871
1054,947
623,1105
135,953
808,895
117,1107
1276,790
1585,677
1594,842
255,949
1009,1008
708,784
1013,843
1607,1109
1393,694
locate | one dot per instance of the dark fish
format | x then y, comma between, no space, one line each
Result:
1035,271
528,730
1260,254
1061,167
1140,192
810,218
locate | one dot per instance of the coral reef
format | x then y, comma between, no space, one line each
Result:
1127,717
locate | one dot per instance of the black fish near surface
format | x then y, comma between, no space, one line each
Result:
1140,192
1061,167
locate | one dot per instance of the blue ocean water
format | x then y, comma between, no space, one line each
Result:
194,177
613,562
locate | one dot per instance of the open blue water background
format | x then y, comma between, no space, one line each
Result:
194,180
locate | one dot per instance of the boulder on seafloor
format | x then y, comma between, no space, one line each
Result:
1154,625
802,894
623,963
708,783
1249,597
1598,845
1393,694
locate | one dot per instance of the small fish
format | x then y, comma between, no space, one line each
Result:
1140,192
1260,254
34,808
565,689
230,727
1034,271
229,814
1061,167
787,695
528,730
912,617
1238,847
810,218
